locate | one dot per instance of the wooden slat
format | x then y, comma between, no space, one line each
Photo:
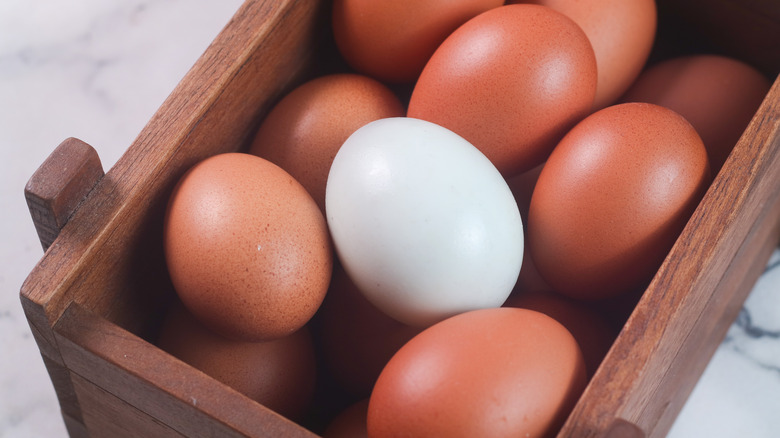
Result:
685,312
158,388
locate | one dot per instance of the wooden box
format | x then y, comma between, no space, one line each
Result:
97,295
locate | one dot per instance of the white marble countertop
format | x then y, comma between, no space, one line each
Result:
98,70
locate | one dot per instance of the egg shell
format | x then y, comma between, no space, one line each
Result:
504,372
621,32
303,132
593,332
279,374
247,248
612,199
422,222
358,339
391,40
511,81
718,95
350,423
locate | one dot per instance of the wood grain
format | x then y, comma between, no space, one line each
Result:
59,185
157,388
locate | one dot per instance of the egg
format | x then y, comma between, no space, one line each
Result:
350,423
279,374
612,199
593,332
303,132
504,372
718,95
422,222
357,338
621,32
391,40
511,81
247,248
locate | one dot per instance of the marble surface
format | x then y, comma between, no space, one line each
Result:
98,70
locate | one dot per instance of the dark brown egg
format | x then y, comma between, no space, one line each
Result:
350,423
247,248
279,374
358,338
716,94
303,132
392,40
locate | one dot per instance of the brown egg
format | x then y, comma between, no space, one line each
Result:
358,339
247,248
392,40
593,332
511,81
612,199
350,423
303,132
279,374
500,372
716,94
621,33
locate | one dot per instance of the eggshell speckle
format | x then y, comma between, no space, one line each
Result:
621,32
716,94
247,248
511,81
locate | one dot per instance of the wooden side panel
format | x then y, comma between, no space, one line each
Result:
107,416
117,371
685,312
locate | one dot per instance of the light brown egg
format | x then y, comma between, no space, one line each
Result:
621,33
279,374
716,94
392,40
511,81
303,132
612,199
247,248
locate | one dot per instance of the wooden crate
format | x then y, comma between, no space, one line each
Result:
97,295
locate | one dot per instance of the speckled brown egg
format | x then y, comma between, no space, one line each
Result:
511,81
621,33
718,95
279,374
613,197
247,248
303,132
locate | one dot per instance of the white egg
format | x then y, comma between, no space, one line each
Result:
422,221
